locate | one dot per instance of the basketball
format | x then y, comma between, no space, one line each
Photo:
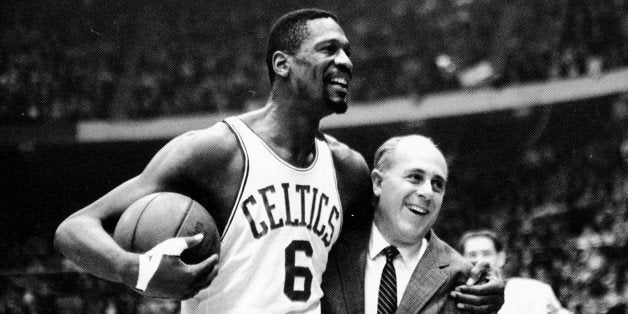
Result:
157,217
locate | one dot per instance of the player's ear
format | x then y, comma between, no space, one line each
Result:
501,259
376,179
280,63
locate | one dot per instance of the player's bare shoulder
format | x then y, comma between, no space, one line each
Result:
206,151
352,170
346,159
215,144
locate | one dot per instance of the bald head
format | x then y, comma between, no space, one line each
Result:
422,144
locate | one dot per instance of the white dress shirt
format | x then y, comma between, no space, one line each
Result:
404,264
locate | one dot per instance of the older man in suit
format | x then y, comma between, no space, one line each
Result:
397,264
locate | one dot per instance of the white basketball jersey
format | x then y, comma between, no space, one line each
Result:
274,247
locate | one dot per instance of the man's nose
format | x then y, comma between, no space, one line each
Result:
424,190
343,60
471,258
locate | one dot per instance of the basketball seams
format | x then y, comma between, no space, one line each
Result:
139,219
186,214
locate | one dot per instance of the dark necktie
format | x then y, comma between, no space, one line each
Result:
387,299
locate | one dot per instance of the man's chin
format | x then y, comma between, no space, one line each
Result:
337,106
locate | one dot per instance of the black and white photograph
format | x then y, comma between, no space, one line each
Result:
402,156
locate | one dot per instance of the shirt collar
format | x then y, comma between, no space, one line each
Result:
410,255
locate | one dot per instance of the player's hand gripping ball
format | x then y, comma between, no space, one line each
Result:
160,216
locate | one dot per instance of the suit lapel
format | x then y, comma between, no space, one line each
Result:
352,270
427,278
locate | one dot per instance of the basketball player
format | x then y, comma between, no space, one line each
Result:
278,189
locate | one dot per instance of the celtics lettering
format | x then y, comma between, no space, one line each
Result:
297,206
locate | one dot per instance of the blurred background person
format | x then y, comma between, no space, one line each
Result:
522,295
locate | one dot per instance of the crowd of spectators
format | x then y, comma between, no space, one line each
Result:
570,229
96,59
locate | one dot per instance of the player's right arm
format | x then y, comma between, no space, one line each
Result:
83,239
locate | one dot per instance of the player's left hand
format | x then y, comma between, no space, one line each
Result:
484,291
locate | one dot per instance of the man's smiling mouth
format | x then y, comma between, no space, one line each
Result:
338,78
417,210
339,81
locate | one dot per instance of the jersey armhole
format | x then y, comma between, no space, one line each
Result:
245,175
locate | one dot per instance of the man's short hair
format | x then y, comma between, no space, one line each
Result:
288,32
381,160
499,247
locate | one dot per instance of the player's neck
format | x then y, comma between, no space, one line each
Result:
296,118
290,134
289,105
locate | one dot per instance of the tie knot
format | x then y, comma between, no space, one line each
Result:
390,252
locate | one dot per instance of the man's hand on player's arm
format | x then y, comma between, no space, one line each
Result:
161,273
484,291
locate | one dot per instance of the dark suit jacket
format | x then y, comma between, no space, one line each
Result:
439,271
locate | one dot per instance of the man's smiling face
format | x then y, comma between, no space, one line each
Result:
322,68
410,191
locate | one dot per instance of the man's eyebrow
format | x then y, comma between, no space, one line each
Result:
419,170
345,44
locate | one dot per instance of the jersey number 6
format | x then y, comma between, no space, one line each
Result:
292,271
